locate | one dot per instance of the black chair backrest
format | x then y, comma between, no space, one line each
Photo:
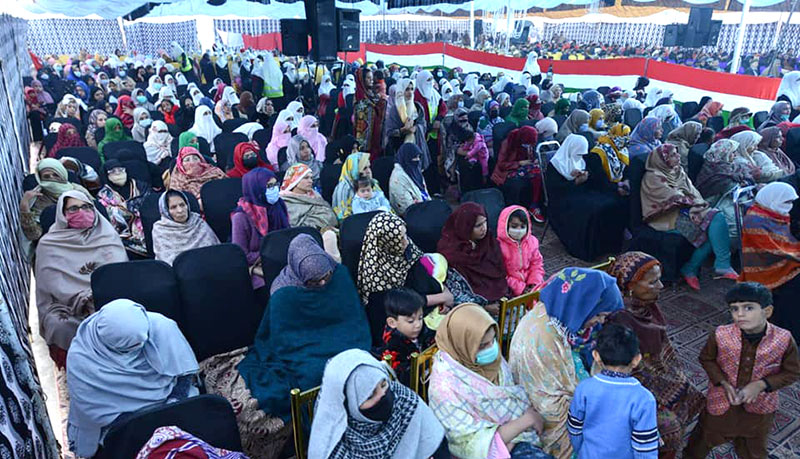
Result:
499,133
219,200
632,117
140,170
560,119
275,249
150,214
716,123
224,144
262,137
125,149
86,155
759,118
636,172
216,294
29,182
603,90
474,117
208,417
351,238
50,140
329,178
382,170
424,223
547,108
99,134
232,125
793,145
492,201
150,283
696,160
688,110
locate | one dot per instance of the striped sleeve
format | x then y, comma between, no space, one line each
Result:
644,435
577,413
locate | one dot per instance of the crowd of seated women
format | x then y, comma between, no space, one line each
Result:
348,161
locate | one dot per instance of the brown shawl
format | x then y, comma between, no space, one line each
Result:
460,336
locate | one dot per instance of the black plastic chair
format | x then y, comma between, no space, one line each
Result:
49,141
203,148
125,149
275,248
603,90
688,110
632,117
696,159
382,170
759,118
216,294
150,283
716,123
424,223
351,238
474,117
329,178
29,182
224,144
793,145
208,417
86,155
232,125
262,137
560,120
492,201
219,200
547,108
150,214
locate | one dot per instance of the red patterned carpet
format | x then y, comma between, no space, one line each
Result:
692,315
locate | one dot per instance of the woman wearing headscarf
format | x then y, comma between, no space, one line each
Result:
68,136
711,109
660,371
551,347
204,125
406,184
771,253
222,110
124,111
355,165
79,242
738,121
122,359
534,107
612,150
192,172
113,133
646,137
434,109
259,211
369,112
516,171
770,146
142,122
404,121
519,112
361,409
576,122
179,229
471,250
389,259
588,211
304,205
97,119
309,129
343,117
281,135
683,138
471,380
778,113
158,144
592,99
597,123
52,180
299,152
668,116
547,129
245,158
122,196
671,203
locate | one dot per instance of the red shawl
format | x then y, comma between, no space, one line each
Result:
511,153
169,117
239,170
66,140
770,254
126,118
482,265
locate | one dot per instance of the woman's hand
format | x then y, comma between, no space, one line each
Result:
25,203
730,393
534,420
493,308
581,177
749,392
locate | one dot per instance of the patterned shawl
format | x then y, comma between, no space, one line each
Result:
643,139
769,136
721,171
771,254
68,136
613,152
192,182
171,238
346,188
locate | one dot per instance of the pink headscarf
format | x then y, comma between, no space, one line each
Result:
317,141
279,140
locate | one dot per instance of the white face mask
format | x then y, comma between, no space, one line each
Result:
118,179
784,207
517,233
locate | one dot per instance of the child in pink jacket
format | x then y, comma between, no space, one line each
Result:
476,151
524,263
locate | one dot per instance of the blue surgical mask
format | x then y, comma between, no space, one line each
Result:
145,122
460,103
141,99
599,124
157,86
488,355
272,194
785,117
584,127
122,73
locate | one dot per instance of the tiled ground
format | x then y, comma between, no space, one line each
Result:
691,316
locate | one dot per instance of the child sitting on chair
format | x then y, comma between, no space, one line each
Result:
474,149
746,362
524,262
405,332
367,199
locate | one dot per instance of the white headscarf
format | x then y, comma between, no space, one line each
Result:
151,89
456,85
471,84
249,129
653,96
664,112
532,90
348,88
569,156
447,91
204,126
500,85
790,87
169,81
181,79
166,93
326,87
297,111
157,146
632,103
777,197
229,95
290,71
283,117
532,64
425,87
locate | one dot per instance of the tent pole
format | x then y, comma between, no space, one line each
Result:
121,25
508,26
472,24
737,52
780,34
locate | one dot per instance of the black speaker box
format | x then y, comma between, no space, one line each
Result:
674,34
321,17
478,27
348,30
713,34
700,19
294,37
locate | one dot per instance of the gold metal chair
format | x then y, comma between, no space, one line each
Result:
302,403
606,265
421,365
511,312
